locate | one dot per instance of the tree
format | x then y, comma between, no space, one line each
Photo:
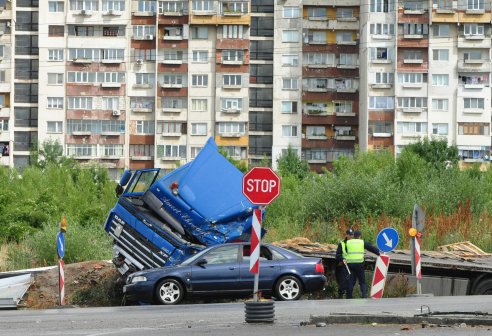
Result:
49,152
435,152
289,163
242,165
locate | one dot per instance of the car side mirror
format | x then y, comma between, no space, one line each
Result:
201,262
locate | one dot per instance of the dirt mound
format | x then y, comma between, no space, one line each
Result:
79,278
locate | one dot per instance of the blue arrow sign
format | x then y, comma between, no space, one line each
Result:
387,239
60,244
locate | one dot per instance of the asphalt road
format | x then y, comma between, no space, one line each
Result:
228,319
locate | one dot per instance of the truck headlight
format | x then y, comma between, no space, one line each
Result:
138,278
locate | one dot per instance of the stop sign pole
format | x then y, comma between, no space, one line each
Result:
261,186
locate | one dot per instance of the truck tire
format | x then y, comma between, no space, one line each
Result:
288,288
484,287
169,292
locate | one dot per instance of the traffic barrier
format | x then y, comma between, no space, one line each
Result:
255,242
62,282
379,278
418,261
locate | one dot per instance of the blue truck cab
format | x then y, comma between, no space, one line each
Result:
162,219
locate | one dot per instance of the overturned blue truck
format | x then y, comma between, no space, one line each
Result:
162,219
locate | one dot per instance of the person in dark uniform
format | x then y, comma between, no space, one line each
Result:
355,260
341,272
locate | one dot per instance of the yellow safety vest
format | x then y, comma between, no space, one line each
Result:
355,251
344,250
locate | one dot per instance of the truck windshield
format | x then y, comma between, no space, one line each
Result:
142,181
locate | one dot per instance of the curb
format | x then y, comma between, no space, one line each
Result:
396,319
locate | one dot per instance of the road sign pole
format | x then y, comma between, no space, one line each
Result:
412,239
254,262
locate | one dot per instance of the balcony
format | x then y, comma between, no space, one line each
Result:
382,135
172,109
81,133
231,135
381,86
142,86
147,37
232,110
171,158
82,60
345,137
111,133
143,13
347,66
316,137
317,89
83,12
412,85
381,61
474,66
232,62
173,13
171,134
346,90
172,61
141,157
142,109
171,85
172,37
112,61
112,12
474,41
349,42
319,113
381,37
204,12
475,11
231,86
110,85
473,111
412,61
319,66
412,109
414,11
345,114
413,36
474,86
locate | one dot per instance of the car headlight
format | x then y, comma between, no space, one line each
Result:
138,278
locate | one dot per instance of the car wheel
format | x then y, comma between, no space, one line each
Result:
169,292
288,288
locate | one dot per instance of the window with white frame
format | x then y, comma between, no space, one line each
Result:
232,31
203,5
54,126
174,151
169,127
412,102
440,30
474,103
234,7
200,56
55,102
344,36
440,129
55,54
199,105
80,103
348,59
143,31
198,128
472,55
381,53
56,6
141,150
174,102
415,28
475,4
111,77
383,78
381,6
382,29
316,108
290,36
315,131
173,55
289,130
290,60
317,12
404,127
173,7
110,103
291,12
145,126
111,150
311,58
81,150
146,6
412,55
194,151
232,128
343,106
345,13
116,5
172,79
381,103
55,78
439,104
316,37
232,55
290,83
231,80
84,4
411,78
237,152
145,79
199,80
440,54
473,29
231,104
199,33
440,79
289,107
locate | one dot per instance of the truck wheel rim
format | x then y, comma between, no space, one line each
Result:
169,292
289,289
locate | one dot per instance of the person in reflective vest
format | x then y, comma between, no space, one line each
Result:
341,272
355,261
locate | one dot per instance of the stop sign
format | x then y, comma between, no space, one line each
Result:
261,185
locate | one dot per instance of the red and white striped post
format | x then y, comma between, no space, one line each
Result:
418,263
254,261
379,277
61,269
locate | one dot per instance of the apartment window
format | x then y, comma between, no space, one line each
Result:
290,36
381,103
440,80
411,127
203,5
173,79
440,55
80,103
146,6
475,4
289,107
319,59
440,104
472,29
198,128
145,78
232,55
231,103
290,60
415,29
199,105
443,4
348,59
110,103
231,128
56,31
25,21
142,102
56,6
474,103
440,129
382,29
381,53
55,78
81,77
194,151
169,127
26,68
55,54
412,55
26,116
318,37
289,131
344,13
116,5
116,54
26,45
290,83
145,126
199,33
173,55
410,102
55,102
473,129
175,103
2,76
84,4
472,55
54,126
143,31
441,30
343,106
143,54
383,78
200,56
317,12
199,80
344,36
81,150
315,130
381,6
411,78
80,31
232,31
234,80
172,151
291,12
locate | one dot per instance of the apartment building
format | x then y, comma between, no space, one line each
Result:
144,83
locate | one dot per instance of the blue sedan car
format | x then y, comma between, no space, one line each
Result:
223,270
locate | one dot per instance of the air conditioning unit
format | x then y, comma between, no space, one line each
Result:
116,113
139,62
149,37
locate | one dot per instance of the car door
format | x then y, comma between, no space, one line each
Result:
269,269
220,273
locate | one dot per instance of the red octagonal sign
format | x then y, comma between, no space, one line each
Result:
261,185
